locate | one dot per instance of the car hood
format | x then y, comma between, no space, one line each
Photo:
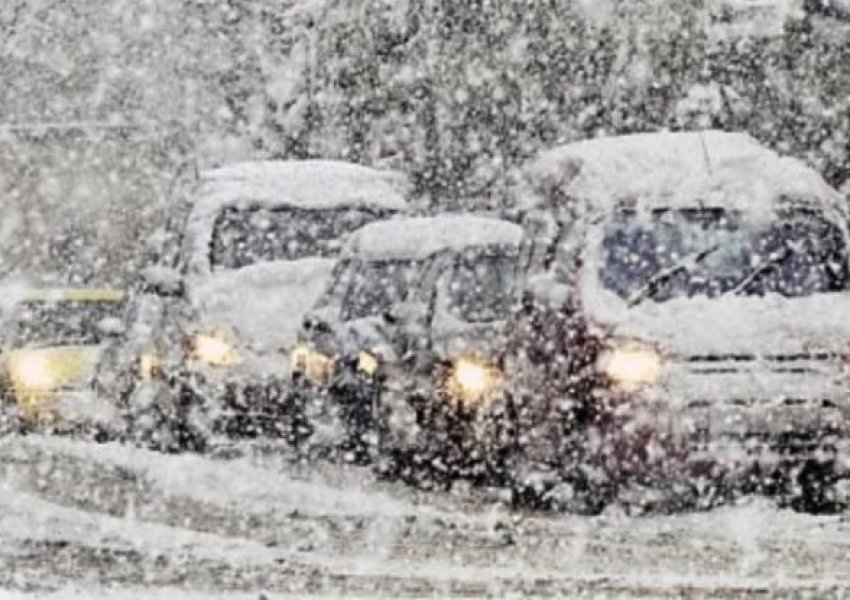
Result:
263,304
770,325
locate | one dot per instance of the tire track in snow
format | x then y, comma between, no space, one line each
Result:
288,530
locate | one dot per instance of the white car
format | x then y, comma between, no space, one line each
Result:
709,278
51,342
251,252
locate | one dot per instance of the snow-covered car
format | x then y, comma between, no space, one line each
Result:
51,342
404,334
250,250
698,294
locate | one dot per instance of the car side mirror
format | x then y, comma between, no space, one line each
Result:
163,281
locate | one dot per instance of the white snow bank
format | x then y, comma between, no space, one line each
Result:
262,303
420,237
749,546
166,593
24,517
666,170
237,483
310,184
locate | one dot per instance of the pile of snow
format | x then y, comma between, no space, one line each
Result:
420,237
666,170
280,293
309,184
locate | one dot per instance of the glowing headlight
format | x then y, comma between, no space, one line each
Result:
213,350
315,366
473,381
31,373
632,366
367,364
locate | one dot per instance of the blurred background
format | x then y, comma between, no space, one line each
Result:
104,101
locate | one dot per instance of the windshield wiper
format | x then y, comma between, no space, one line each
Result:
686,263
773,260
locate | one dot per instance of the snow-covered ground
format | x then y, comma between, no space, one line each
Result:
79,520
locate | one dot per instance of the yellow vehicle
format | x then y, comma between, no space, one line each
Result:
51,344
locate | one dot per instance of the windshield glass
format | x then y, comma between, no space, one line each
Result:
797,254
378,285
243,237
482,284
63,323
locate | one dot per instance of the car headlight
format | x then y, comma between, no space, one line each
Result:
31,373
316,367
367,363
632,366
213,350
472,381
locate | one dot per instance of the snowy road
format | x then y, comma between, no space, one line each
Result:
80,520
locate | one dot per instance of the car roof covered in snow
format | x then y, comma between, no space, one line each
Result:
420,237
306,184
674,170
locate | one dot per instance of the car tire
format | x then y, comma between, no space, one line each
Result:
815,489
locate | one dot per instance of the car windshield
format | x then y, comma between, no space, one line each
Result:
377,285
63,323
710,252
482,284
243,237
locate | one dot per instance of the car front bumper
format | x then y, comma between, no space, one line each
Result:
231,405
733,415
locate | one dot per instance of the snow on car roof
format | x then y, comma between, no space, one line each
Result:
310,184
670,170
420,237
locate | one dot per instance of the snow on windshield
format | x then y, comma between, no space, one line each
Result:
242,237
796,254
379,285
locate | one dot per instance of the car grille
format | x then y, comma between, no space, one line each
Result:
781,404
